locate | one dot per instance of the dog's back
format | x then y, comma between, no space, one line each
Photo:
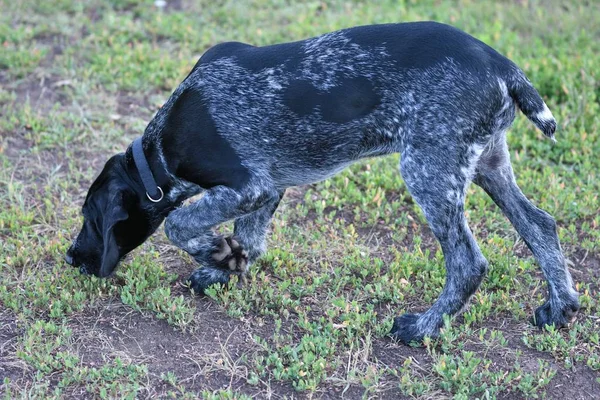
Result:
304,110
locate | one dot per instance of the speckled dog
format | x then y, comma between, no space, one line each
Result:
249,122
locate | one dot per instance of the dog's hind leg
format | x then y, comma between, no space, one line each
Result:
437,179
251,230
190,228
536,227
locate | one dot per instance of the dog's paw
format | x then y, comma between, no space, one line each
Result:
230,255
557,314
202,278
406,330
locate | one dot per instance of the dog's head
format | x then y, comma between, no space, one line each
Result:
114,221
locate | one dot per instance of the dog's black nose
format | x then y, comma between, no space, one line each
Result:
69,257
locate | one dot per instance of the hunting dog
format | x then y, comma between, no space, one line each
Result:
249,122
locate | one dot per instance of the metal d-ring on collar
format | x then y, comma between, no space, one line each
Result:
153,191
156,200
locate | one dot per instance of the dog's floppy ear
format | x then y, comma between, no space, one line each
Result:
111,255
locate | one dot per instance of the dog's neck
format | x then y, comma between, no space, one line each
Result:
158,172
165,146
175,189
154,191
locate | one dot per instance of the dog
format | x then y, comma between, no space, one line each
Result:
249,122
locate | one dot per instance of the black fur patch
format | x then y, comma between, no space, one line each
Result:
255,58
193,148
352,98
430,44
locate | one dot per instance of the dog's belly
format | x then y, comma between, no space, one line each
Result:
296,161
296,175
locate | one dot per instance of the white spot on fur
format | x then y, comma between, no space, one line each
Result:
474,153
194,243
477,149
271,80
545,115
452,195
503,87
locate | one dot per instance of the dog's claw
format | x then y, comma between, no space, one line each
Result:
405,329
561,318
203,278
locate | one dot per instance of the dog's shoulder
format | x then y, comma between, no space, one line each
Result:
254,58
194,148
221,50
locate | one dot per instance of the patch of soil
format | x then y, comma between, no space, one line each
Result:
10,367
174,5
209,358
130,105
42,92
577,383
585,267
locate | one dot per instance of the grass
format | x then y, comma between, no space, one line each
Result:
80,80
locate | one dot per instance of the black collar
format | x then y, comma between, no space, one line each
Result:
154,192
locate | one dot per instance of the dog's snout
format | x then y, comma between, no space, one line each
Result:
69,257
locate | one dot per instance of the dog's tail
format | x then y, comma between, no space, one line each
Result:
530,102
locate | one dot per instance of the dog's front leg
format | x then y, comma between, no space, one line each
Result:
190,228
251,230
